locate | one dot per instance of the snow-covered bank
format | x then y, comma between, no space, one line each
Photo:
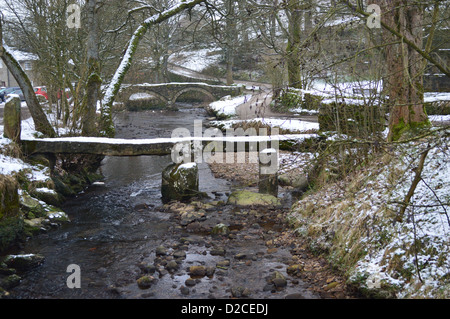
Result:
355,222
30,193
436,96
226,111
10,165
292,125
226,107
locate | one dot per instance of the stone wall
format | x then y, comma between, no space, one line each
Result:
355,120
436,83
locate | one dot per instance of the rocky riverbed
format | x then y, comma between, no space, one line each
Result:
217,250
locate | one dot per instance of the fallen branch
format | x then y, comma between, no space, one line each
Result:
417,179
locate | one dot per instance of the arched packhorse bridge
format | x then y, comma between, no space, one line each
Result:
170,92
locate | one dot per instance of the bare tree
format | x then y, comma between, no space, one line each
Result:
40,119
94,81
107,126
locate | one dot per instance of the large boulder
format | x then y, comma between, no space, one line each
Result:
248,198
9,197
179,182
47,195
24,262
11,223
299,182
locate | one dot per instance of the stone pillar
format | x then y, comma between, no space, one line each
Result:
12,119
268,172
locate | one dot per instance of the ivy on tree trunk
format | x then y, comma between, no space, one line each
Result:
404,79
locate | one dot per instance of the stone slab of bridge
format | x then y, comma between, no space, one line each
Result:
169,92
155,146
268,170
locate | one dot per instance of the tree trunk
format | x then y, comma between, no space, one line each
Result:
404,80
94,82
231,35
293,46
230,60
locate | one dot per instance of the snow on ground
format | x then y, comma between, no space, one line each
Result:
436,96
22,104
300,110
347,89
293,125
227,106
10,165
355,92
197,60
355,220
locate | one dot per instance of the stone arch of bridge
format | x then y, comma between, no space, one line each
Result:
160,97
190,89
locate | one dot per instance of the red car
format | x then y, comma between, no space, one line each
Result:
41,90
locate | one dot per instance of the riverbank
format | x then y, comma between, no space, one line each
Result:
31,197
315,272
352,225
301,268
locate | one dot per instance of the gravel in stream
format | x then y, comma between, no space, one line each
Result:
255,256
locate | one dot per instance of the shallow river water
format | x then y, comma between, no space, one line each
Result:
117,225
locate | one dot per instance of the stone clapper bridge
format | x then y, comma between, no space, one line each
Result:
169,92
267,145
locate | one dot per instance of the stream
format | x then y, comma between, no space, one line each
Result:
117,225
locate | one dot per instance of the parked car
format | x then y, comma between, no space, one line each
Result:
18,92
59,94
6,91
1,91
41,90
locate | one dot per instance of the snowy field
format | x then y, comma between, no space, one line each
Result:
197,60
227,105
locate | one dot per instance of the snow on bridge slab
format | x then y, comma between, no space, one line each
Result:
138,147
